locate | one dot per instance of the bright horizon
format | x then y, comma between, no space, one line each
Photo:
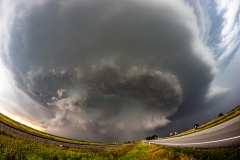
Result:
22,120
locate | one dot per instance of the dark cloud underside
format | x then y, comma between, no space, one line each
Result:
108,66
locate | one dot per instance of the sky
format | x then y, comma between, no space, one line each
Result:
118,70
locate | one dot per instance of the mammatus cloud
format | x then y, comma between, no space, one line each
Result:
108,67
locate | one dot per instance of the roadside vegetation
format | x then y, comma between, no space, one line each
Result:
16,148
221,119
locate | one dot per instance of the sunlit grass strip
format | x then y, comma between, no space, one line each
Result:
142,151
230,115
8,121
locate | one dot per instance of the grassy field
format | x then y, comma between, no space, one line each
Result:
12,147
228,116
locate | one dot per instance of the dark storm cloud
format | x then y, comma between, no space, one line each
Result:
108,66
101,99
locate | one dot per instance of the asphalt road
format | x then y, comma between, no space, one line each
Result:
224,135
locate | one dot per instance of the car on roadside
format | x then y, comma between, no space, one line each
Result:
196,126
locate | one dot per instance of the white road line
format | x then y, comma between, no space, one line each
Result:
200,142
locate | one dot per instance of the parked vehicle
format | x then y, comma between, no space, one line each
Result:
196,126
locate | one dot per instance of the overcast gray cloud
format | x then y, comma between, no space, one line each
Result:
109,67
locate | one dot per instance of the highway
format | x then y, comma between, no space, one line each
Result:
224,135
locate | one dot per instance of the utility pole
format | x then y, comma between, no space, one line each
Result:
190,126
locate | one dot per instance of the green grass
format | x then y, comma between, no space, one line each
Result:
16,148
12,147
209,154
230,115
